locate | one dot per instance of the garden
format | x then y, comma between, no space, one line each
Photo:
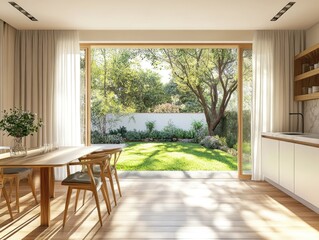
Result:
173,148
128,81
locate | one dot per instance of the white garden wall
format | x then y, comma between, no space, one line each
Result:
137,120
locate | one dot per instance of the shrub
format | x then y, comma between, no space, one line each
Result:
97,137
114,139
199,131
136,136
228,127
211,142
150,126
121,130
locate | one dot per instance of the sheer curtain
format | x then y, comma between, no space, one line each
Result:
67,93
7,36
47,82
273,56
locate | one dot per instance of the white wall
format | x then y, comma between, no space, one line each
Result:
312,35
137,120
311,108
165,36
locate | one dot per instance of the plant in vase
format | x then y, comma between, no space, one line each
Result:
18,124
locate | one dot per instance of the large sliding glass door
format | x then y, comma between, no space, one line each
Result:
239,107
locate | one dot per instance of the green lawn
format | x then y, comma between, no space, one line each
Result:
139,156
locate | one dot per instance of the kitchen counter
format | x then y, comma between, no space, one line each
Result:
309,139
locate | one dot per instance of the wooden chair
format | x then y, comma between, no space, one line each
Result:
114,155
85,180
16,175
4,192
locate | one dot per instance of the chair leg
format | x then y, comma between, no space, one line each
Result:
67,201
117,181
97,205
76,199
7,201
10,190
109,174
17,181
84,195
106,196
31,183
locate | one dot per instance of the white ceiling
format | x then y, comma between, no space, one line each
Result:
160,14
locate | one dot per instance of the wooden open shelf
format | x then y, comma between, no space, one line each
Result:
307,97
307,52
306,75
306,79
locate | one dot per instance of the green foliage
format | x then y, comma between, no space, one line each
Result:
135,136
228,127
98,138
184,99
208,74
166,108
114,139
211,142
150,126
174,156
19,123
120,85
121,131
199,131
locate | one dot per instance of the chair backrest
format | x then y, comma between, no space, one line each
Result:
102,159
114,154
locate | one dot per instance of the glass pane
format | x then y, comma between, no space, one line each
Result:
247,105
83,94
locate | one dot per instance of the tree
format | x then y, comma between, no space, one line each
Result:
210,74
120,86
185,100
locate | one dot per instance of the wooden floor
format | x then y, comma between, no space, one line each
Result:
171,209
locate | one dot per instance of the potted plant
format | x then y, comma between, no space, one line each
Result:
18,124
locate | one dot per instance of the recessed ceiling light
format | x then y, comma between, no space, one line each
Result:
282,11
24,12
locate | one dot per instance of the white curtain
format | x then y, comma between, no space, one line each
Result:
67,93
7,36
47,82
273,71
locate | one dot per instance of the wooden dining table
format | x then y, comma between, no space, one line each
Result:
46,162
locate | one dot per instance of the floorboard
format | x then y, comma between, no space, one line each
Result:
170,208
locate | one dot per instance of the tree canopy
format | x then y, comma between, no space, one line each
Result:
120,85
210,74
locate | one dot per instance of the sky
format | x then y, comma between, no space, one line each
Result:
164,73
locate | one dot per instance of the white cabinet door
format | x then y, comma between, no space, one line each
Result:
270,159
287,165
307,173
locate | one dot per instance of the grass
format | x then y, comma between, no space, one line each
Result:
139,156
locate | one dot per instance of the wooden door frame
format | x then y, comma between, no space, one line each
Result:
241,49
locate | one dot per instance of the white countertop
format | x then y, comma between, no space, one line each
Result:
309,138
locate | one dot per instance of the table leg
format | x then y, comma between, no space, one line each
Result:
45,196
52,180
